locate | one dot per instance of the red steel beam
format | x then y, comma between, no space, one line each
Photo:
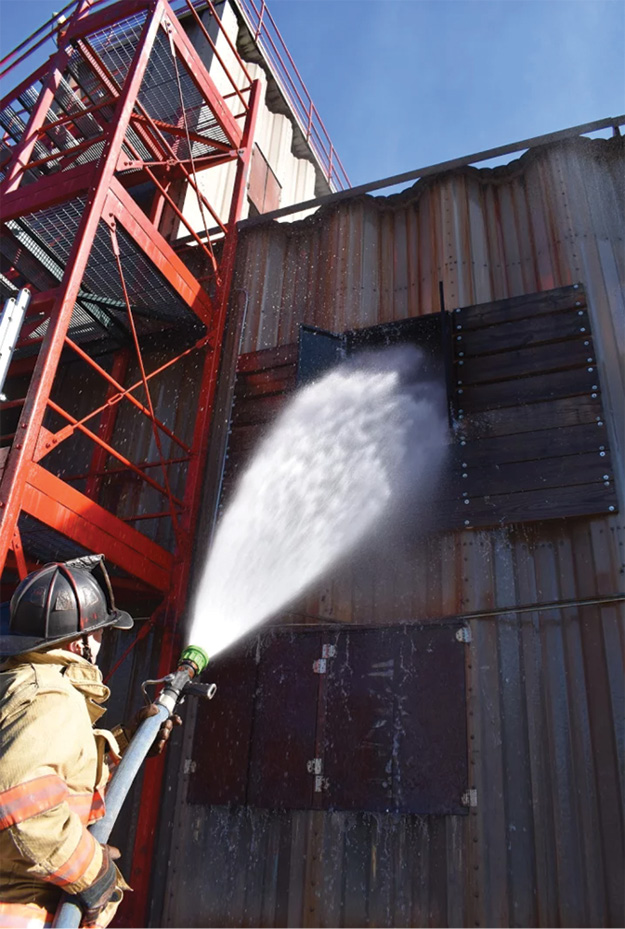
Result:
53,502
143,465
38,75
209,380
114,397
103,18
236,90
18,552
55,439
134,910
107,426
180,166
23,150
181,132
205,246
21,153
13,483
67,153
202,79
73,117
48,191
108,80
122,207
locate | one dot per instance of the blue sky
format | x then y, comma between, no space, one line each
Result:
401,84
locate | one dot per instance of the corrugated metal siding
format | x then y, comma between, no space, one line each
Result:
552,218
544,846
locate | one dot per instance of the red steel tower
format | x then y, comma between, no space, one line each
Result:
99,145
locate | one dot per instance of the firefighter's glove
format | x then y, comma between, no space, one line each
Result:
163,733
94,899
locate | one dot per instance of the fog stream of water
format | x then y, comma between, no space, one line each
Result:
346,452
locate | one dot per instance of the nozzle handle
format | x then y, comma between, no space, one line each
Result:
207,691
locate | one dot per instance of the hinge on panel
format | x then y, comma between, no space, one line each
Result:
320,666
315,766
464,634
469,797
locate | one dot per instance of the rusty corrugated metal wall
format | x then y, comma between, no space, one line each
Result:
544,845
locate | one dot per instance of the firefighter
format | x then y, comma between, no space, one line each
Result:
54,763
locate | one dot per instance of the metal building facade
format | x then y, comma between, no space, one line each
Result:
544,601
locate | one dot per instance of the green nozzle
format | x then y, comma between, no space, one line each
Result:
197,656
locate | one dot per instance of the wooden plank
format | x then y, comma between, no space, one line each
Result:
521,333
551,386
268,358
538,359
525,306
524,506
274,380
535,475
243,439
515,420
552,503
563,440
259,410
80,519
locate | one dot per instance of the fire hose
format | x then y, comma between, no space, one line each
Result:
176,686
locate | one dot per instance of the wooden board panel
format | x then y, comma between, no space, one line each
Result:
258,410
526,306
556,502
521,333
496,478
243,439
564,440
538,359
268,358
552,386
260,383
359,728
516,420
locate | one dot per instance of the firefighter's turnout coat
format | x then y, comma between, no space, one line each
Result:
53,772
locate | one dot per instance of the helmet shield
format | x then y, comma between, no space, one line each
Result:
59,603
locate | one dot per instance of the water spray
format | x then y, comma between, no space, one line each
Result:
176,687
343,454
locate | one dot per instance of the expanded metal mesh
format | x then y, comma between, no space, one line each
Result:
44,544
81,87
48,237
40,244
116,44
14,119
160,95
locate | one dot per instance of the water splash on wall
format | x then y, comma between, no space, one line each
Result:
346,454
